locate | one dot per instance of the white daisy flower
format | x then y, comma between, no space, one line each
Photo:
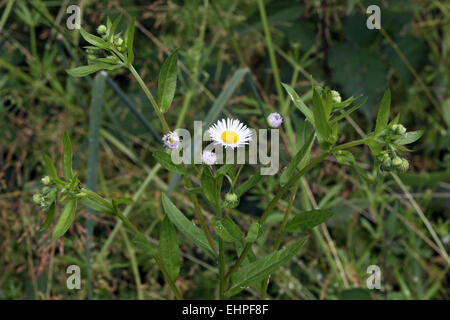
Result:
230,133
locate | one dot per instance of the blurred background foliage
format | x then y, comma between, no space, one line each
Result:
324,42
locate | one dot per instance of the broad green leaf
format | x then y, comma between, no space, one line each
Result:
65,219
50,216
299,103
185,226
298,159
129,39
253,233
67,157
94,40
209,188
409,137
248,184
307,220
86,70
143,244
169,249
383,112
165,160
97,203
262,268
167,82
322,126
114,26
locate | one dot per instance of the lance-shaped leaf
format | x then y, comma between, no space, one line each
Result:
299,103
253,233
65,219
298,159
307,220
165,160
86,70
169,249
248,184
262,268
94,40
222,232
321,124
67,157
185,226
409,137
383,112
129,39
143,244
233,229
50,216
50,167
167,82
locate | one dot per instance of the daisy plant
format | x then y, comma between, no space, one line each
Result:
219,185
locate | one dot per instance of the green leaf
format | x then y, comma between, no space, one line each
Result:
185,226
114,26
50,216
307,220
409,137
232,229
253,233
297,160
248,184
169,249
226,169
65,219
86,70
129,38
299,103
143,244
322,126
68,174
167,82
355,294
165,160
97,203
50,167
383,112
375,145
222,232
209,188
94,40
262,268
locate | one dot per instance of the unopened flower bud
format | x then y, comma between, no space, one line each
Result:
231,197
118,42
336,96
404,166
397,162
101,30
386,161
37,198
400,129
46,180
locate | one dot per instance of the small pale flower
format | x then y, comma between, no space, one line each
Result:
101,30
275,120
230,133
46,180
209,158
171,140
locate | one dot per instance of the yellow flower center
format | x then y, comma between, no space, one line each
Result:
229,136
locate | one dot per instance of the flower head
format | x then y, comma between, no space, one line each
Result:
101,30
230,133
275,120
209,158
171,140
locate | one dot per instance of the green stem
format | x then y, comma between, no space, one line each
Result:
221,248
273,61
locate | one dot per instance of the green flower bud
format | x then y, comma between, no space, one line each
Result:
386,161
37,198
46,180
118,42
336,96
404,166
400,129
397,162
101,30
231,197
